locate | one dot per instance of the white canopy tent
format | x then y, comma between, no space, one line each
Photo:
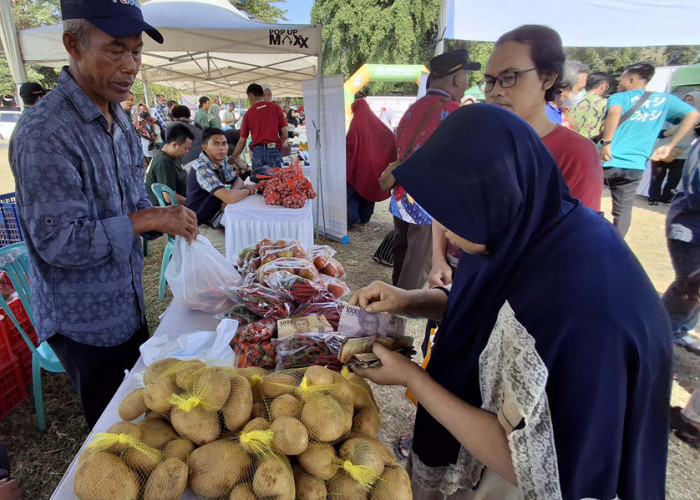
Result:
581,23
209,46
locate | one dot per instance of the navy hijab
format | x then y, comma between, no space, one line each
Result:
574,285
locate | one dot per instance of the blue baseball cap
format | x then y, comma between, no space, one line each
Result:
115,17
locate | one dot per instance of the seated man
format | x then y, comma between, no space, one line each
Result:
166,165
207,193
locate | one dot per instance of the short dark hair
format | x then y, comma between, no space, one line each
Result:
546,51
643,70
179,133
210,132
255,89
202,100
160,95
180,111
170,103
595,79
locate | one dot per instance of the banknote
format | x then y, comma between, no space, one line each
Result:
356,322
358,350
313,323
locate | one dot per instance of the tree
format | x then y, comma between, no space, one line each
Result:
376,32
261,10
29,14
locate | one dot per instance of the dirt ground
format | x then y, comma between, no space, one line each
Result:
39,460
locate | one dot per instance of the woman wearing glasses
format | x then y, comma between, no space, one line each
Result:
548,380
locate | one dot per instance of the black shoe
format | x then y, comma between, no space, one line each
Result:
653,203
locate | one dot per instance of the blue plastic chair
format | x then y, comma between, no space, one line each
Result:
13,260
158,190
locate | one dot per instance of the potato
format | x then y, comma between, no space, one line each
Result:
307,486
216,468
394,484
319,460
198,425
273,479
363,452
123,428
254,375
243,491
343,487
319,376
187,373
157,394
341,389
289,436
285,405
276,384
155,433
104,476
367,421
258,411
239,406
150,414
132,406
179,448
167,482
141,463
323,417
348,412
213,386
362,392
158,368
257,424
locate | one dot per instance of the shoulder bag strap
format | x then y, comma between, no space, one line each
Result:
634,108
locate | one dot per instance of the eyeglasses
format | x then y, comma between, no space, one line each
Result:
506,80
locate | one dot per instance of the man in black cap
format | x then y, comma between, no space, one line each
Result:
83,204
449,79
31,93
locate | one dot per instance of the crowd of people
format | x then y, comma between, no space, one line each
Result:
548,350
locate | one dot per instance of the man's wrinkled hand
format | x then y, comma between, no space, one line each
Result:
178,220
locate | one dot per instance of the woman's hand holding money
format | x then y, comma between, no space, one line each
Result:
395,368
381,297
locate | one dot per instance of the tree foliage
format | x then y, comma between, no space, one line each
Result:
260,10
29,14
376,32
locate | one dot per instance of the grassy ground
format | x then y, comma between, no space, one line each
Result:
39,460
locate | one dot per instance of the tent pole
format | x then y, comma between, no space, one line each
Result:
8,36
442,22
319,171
145,92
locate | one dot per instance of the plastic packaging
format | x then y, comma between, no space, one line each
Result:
196,274
301,350
260,300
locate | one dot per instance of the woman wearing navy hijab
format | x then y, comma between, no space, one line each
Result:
550,374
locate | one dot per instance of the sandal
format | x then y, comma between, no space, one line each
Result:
679,422
403,447
688,342
692,440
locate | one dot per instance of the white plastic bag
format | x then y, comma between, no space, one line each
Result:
196,274
210,347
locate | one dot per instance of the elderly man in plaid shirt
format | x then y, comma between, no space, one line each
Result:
161,114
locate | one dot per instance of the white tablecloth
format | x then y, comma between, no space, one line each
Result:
176,321
251,219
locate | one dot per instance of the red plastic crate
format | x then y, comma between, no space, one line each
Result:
19,347
12,391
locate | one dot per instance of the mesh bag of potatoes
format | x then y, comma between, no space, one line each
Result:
132,461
